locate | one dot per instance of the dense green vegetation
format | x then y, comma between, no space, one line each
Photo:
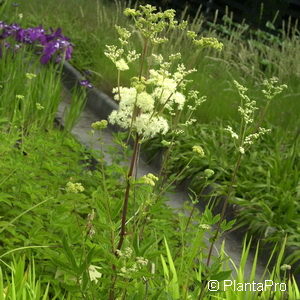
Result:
105,233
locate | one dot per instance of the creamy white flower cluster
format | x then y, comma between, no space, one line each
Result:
272,88
137,266
126,253
141,105
145,123
249,139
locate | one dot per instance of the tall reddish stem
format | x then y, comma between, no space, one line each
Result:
126,198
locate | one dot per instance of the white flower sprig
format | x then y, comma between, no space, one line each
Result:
247,111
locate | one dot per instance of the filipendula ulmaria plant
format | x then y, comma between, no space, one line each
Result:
157,95
158,90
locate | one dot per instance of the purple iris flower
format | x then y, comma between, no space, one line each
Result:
55,35
31,35
49,49
8,30
53,43
85,83
61,47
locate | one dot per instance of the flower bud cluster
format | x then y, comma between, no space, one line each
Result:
208,173
199,150
149,179
74,187
39,106
99,125
272,88
151,23
125,254
205,42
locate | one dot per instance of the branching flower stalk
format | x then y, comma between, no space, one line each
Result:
245,140
175,128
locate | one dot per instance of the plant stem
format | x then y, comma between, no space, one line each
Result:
125,204
143,59
225,204
177,176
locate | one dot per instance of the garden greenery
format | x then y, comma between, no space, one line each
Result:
105,233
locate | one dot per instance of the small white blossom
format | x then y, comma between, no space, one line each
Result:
156,59
132,56
121,65
127,252
175,56
141,261
148,126
128,95
272,88
145,102
233,134
179,99
94,273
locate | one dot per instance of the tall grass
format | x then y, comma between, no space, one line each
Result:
21,282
